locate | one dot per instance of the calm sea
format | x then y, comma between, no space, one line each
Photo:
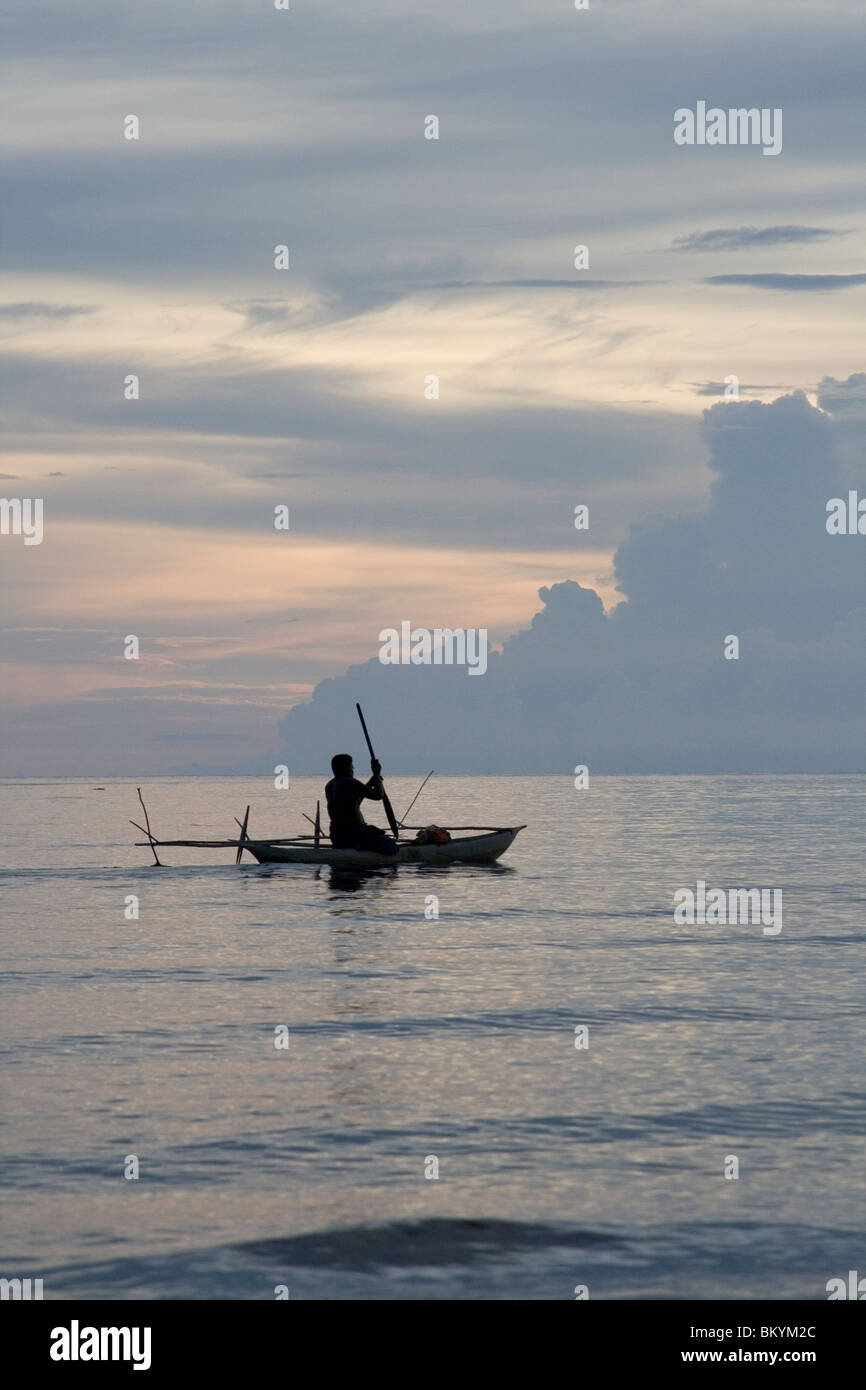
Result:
417,1043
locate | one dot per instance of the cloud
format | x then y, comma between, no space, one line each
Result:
34,310
646,687
720,388
789,282
842,395
577,284
225,445
740,238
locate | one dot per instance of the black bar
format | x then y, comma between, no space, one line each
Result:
270,1336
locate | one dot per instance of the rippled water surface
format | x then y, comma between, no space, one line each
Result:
413,1038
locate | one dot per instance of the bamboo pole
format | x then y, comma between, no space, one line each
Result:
243,836
221,844
414,799
491,828
148,832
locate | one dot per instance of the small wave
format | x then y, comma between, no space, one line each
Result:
425,1242
454,1258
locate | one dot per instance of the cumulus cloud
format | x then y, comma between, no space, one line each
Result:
646,687
842,395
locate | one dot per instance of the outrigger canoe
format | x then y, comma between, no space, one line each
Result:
465,849
470,849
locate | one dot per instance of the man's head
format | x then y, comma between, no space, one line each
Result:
341,765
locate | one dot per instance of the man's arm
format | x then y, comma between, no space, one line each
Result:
374,790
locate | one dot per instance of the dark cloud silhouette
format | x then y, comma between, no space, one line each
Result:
32,309
789,282
747,238
646,688
576,284
718,388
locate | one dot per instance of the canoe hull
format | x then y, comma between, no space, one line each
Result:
470,849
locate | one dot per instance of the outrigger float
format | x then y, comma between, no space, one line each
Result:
432,845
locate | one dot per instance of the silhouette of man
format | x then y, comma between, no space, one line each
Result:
344,794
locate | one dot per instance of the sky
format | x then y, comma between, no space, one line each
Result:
308,387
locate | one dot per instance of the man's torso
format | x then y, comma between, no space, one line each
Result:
344,796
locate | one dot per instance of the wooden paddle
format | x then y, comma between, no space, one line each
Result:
389,810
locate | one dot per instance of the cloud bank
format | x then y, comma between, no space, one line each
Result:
646,687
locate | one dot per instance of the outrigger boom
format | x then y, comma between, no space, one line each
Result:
247,843
226,844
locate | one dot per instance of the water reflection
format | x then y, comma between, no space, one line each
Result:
341,880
